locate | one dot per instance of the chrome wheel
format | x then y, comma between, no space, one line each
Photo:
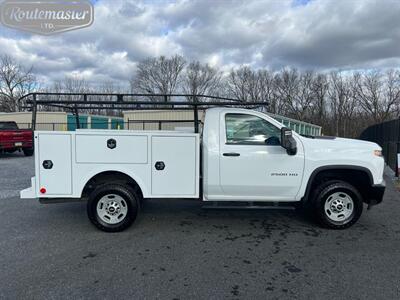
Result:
112,209
339,207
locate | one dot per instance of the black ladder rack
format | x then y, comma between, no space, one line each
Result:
75,102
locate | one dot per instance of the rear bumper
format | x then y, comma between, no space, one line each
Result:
376,192
15,145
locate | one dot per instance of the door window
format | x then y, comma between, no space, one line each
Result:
244,129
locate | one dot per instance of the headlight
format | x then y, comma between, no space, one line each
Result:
378,153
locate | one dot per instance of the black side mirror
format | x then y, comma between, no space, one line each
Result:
287,141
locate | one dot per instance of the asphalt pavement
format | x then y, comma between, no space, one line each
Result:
176,250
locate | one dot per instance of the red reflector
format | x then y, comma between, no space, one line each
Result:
43,191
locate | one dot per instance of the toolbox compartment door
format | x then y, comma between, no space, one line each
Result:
174,166
127,149
56,148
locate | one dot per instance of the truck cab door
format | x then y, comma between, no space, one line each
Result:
253,165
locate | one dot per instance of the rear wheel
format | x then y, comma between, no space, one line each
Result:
28,151
113,207
337,204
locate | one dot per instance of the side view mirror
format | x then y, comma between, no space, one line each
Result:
288,142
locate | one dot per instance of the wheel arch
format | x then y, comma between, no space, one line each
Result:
109,176
355,175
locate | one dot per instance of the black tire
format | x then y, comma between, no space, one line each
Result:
28,151
342,190
130,198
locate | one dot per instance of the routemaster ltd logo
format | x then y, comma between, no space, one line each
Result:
46,16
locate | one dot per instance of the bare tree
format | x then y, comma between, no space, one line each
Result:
286,88
242,84
295,92
252,86
160,75
73,84
108,87
352,115
342,102
393,89
320,89
378,93
15,81
265,80
304,103
201,79
79,85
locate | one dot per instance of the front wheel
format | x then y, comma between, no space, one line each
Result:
113,207
337,204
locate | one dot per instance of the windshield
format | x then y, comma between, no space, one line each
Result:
8,126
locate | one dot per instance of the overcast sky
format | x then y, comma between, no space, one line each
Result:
316,34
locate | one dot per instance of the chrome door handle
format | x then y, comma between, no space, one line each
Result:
231,154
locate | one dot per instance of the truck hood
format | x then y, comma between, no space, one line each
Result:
340,143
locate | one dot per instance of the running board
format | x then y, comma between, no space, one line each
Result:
247,205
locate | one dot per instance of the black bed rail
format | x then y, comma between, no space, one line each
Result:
78,101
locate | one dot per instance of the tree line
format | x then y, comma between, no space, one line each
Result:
342,102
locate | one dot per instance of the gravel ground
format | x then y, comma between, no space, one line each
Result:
176,250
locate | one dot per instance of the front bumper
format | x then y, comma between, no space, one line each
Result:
376,192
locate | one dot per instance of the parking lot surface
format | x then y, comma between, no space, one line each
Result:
176,250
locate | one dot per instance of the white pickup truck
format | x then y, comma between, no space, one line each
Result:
242,156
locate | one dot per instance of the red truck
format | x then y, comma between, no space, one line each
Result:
12,139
